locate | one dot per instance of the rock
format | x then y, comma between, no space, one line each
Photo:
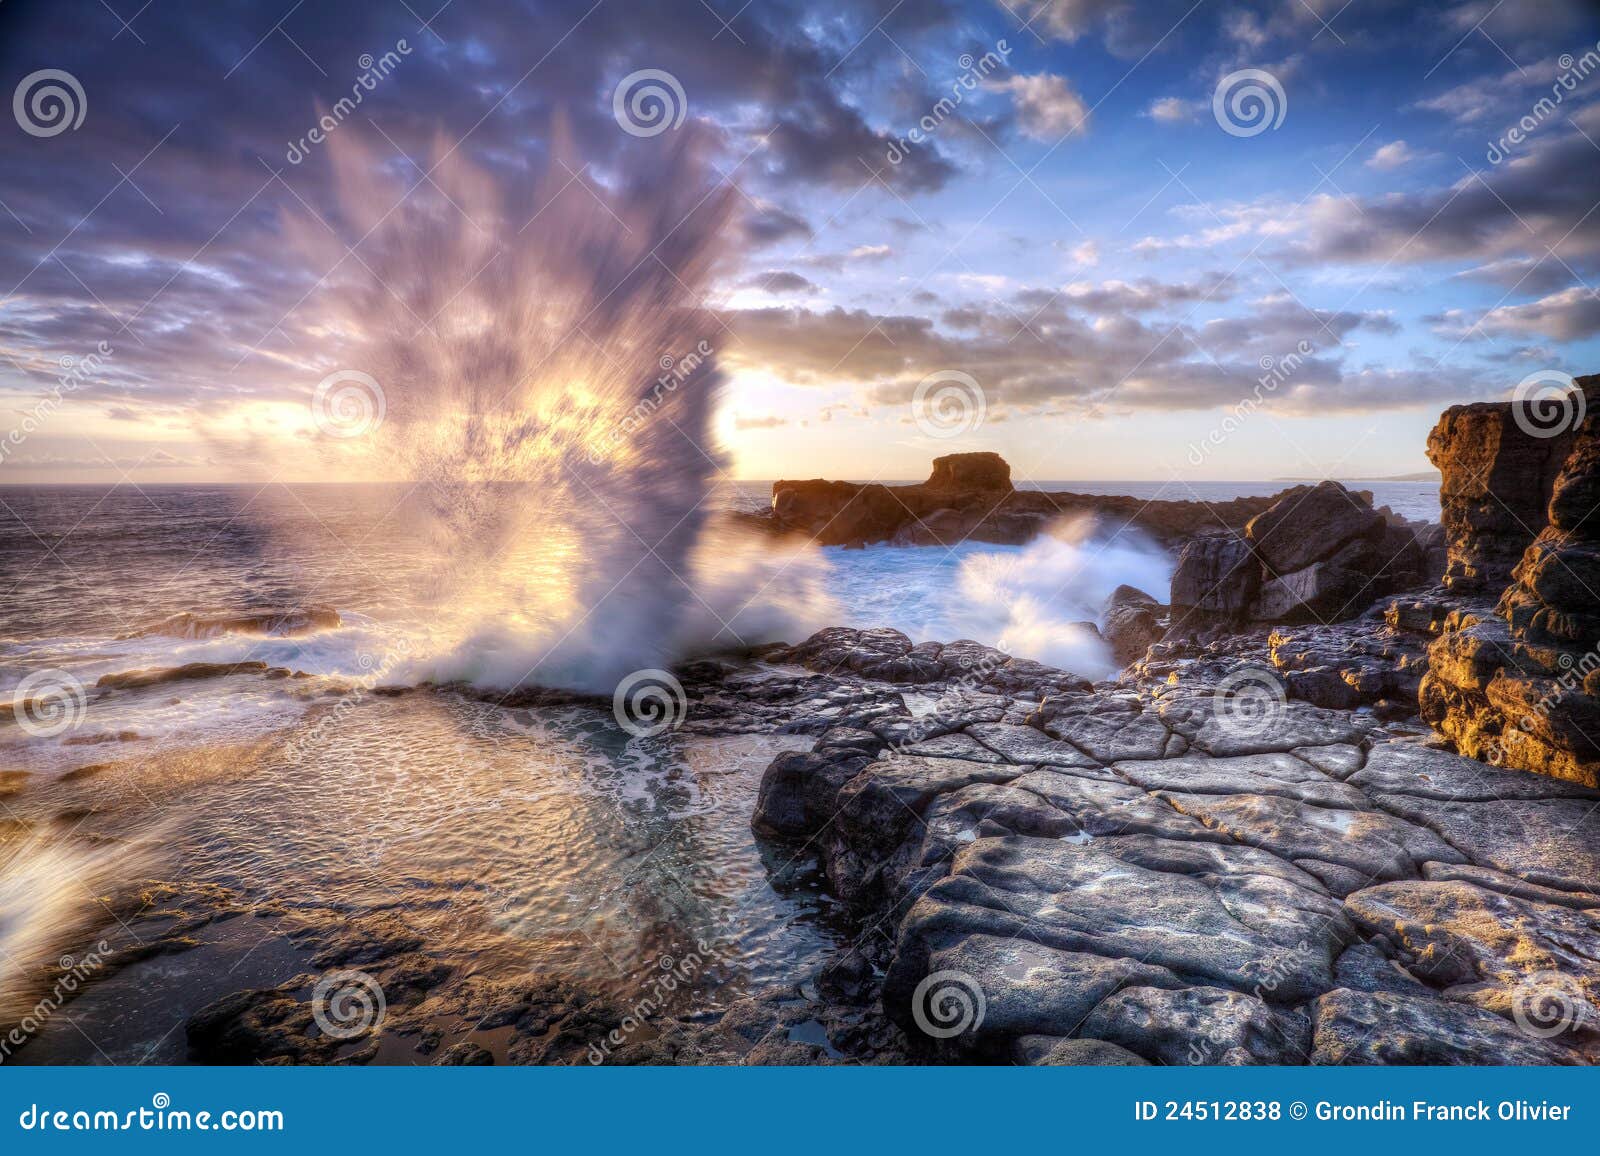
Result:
1372,844
1351,1027
1200,1025
970,472
799,790
1267,774
464,1054
970,496
188,672
1549,842
1496,482
1309,524
1132,623
1215,581
1055,1051
1500,953
1364,968
278,622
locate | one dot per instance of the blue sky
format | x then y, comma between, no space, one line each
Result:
1083,239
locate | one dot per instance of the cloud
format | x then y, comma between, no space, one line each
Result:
1569,315
749,423
1173,110
1047,108
1396,154
780,281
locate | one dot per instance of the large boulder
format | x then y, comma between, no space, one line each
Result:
1215,581
1309,524
1132,623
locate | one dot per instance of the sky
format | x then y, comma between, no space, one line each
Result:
1109,240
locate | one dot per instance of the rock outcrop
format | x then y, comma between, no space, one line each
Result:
971,496
1497,475
1318,554
1521,686
1147,873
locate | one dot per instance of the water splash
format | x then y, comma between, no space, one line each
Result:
548,380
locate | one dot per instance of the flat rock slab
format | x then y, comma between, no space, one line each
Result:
1408,769
1024,744
955,746
1358,1027
1513,956
1374,845
1551,842
1268,774
1032,989
1103,808
1237,929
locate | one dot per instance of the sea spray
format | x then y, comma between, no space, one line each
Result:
547,382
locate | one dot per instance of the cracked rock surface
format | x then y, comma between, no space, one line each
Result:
1142,872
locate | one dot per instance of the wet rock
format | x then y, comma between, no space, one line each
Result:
1200,1025
1132,623
1363,967
1372,844
1266,774
1215,581
464,1055
1549,842
1352,1027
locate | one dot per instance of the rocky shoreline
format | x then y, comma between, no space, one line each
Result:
1341,805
